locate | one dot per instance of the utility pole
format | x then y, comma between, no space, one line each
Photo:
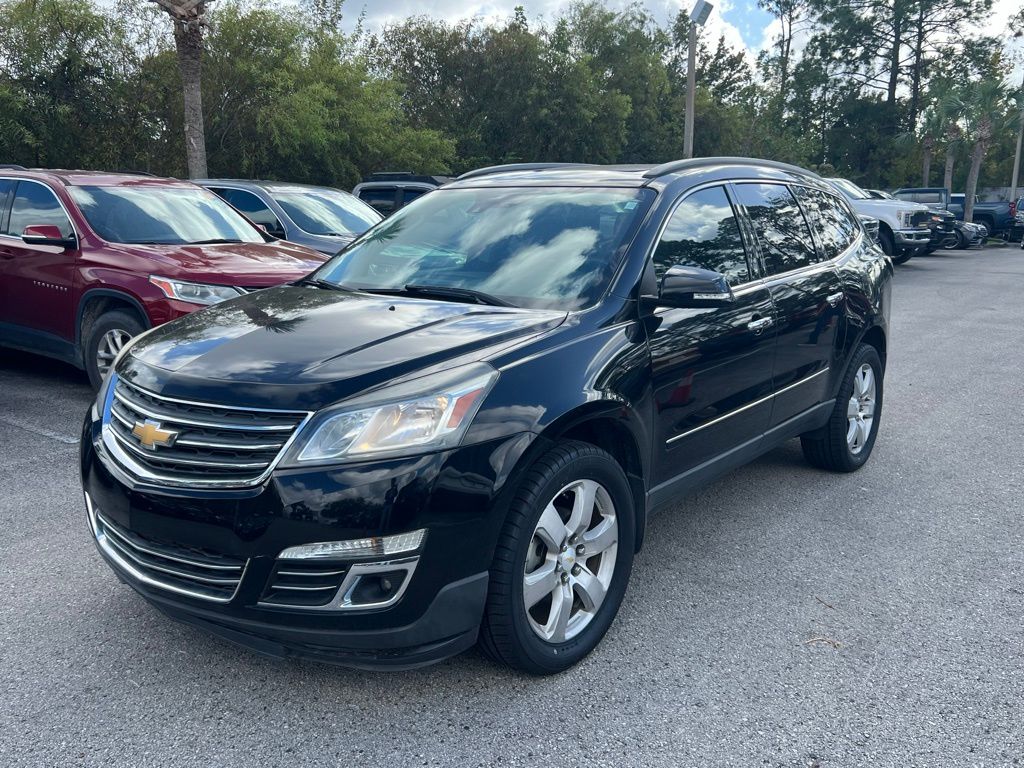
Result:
698,16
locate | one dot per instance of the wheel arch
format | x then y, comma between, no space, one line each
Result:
875,337
607,425
98,301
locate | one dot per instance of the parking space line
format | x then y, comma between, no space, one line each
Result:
37,431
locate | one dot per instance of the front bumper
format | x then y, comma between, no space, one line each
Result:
451,494
912,238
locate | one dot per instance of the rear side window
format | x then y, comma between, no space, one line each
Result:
381,198
36,204
829,219
408,195
703,232
251,206
780,226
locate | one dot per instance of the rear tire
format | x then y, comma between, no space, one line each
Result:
106,337
577,493
844,444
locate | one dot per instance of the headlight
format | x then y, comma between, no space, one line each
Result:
194,293
424,415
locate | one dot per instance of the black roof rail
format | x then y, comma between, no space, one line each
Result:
510,167
12,167
676,166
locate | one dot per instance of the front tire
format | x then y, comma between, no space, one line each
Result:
887,243
106,337
562,562
903,257
844,444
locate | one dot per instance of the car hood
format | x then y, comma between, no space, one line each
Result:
248,265
312,346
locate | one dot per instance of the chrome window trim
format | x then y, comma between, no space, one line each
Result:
48,188
747,407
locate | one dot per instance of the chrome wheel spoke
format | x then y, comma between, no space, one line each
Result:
860,410
561,610
582,507
600,538
851,433
852,408
540,583
590,589
551,530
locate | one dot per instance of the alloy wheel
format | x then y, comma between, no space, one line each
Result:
571,561
860,411
109,347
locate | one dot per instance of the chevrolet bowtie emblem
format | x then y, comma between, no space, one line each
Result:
151,435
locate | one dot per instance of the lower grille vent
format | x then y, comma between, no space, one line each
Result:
303,584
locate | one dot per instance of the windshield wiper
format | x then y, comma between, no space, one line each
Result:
451,292
215,241
317,282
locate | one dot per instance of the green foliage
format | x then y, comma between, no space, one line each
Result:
287,94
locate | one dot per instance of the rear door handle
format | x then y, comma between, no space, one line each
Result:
757,326
834,299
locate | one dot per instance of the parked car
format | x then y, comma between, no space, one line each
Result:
902,227
998,217
321,218
970,235
941,223
89,260
457,428
389,191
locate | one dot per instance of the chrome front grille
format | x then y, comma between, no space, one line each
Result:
216,445
296,583
176,568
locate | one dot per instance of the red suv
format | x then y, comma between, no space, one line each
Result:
88,259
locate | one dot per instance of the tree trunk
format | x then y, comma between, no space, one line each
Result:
977,156
926,165
915,82
947,180
894,57
188,37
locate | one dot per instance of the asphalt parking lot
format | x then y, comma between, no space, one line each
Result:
783,616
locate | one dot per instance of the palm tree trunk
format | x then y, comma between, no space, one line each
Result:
188,37
947,180
977,156
926,162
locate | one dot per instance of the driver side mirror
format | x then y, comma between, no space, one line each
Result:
47,234
684,286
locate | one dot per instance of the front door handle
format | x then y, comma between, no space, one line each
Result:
758,325
834,299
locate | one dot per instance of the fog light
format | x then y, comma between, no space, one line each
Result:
368,547
376,588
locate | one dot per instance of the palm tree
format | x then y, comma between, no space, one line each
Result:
983,110
189,18
932,130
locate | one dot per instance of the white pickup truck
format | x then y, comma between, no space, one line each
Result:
902,225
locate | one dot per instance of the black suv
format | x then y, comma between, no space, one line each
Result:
457,428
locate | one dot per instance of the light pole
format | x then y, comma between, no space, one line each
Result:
698,16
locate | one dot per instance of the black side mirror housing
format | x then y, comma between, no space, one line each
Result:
684,286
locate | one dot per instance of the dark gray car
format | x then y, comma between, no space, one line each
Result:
322,218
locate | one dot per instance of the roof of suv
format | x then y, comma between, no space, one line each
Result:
578,174
74,178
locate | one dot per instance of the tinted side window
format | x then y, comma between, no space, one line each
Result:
703,232
381,198
251,206
35,204
408,195
829,219
785,239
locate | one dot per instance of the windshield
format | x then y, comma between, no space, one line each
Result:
326,211
850,189
163,215
536,247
